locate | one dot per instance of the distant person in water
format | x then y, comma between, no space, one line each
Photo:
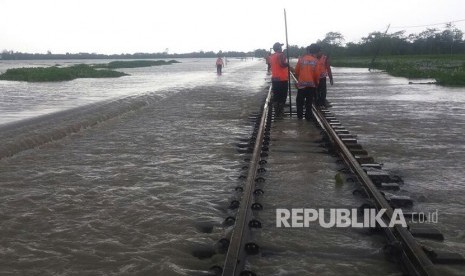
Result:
268,62
219,65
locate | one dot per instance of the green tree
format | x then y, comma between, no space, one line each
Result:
332,43
333,38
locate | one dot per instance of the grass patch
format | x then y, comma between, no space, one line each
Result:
48,74
447,70
134,64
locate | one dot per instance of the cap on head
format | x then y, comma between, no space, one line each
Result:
277,46
313,48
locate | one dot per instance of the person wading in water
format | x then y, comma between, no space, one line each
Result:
219,65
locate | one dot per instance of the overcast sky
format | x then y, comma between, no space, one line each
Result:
129,26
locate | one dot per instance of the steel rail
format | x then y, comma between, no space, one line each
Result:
234,262
412,256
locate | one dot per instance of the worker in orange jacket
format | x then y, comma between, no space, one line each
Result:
308,74
325,68
279,79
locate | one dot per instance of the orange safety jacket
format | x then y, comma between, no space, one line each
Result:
307,72
279,70
323,66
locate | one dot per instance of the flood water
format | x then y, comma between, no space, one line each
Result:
417,132
124,196
20,100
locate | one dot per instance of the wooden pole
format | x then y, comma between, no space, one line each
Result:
288,66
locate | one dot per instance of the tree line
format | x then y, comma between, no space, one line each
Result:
12,55
428,42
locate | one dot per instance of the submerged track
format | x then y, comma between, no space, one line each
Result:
413,258
240,245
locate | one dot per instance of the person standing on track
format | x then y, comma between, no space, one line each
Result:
325,68
279,79
308,74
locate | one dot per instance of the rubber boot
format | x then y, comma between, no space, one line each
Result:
276,111
281,110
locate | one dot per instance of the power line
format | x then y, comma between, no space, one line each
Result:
427,25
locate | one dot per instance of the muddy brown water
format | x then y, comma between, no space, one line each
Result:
124,196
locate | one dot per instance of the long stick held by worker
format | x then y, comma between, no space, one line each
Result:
288,66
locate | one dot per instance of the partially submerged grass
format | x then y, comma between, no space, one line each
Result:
445,69
48,74
134,63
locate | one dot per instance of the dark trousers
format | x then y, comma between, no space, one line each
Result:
218,69
305,98
279,89
321,95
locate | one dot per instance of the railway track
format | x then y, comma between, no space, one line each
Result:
412,256
240,244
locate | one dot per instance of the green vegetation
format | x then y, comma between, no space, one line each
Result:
432,53
134,64
449,41
12,55
44,74
447,70
437,53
